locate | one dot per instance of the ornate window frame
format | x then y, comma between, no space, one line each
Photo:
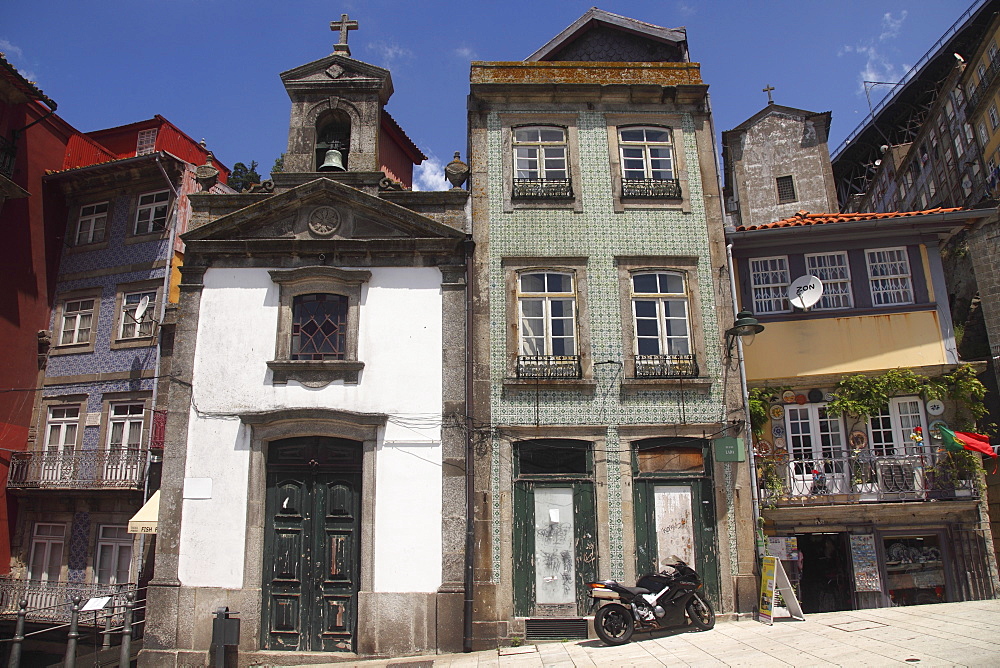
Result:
310,280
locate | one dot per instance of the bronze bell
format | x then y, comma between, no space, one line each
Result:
332,162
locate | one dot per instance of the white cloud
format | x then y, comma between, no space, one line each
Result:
429,175
465,53
15,56
389,53
684,9
891,25
10,49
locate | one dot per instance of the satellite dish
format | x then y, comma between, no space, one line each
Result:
805,291
140,310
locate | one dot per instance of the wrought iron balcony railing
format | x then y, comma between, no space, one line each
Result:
981,91
51,601
8,153
542,189
863,477
78,469
666,366
549,366
652,188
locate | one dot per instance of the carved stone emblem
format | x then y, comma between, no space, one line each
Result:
324,221
334,71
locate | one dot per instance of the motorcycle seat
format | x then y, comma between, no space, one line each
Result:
636,591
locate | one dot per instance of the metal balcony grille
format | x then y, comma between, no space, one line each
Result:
89,469
666,366
980,92
8,152
652,188
51,601
864,476
548,366
542,189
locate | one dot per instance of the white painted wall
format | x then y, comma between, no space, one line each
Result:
400,343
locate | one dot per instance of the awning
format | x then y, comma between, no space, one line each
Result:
144,521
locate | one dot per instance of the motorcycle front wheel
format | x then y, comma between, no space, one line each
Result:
700,612
614,624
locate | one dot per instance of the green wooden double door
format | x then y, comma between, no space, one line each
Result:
312,545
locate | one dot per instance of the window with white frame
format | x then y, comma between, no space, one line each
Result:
151,214
114,555
662,325
136,322
46,555
835,272
61,428
92,224
994,118
77,321
890,430
889,276
540,162
769,278
546,304
984,135
816,448
146,142
992,49
125,426
647,162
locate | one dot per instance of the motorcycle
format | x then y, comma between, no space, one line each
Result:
659,600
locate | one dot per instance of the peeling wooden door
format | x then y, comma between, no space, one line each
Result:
555,551
676,518
311,545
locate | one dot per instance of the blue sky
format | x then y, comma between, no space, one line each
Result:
211,66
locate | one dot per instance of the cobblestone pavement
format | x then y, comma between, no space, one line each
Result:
946,634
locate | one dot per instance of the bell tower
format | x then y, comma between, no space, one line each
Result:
337,103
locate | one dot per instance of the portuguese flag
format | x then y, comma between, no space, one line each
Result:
956,441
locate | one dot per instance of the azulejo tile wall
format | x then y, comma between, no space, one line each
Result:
601,235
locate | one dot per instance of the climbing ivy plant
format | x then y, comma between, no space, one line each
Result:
863,396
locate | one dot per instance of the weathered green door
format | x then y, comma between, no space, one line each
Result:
311,545
554,541
674,509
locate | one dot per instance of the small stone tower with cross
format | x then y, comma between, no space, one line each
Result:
336,104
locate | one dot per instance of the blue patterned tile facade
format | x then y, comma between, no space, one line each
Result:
79,542
599,234
104,359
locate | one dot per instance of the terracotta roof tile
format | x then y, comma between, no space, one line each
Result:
804,218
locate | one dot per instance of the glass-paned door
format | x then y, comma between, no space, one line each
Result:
818,458
60,443
45,565
124,441
114,555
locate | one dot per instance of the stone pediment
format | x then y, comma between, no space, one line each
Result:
323,210
338,72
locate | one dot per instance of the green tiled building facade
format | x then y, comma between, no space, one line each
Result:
601,376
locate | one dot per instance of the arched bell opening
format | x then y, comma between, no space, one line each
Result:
333,141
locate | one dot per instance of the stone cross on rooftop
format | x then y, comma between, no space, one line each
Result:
767,89
343,25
